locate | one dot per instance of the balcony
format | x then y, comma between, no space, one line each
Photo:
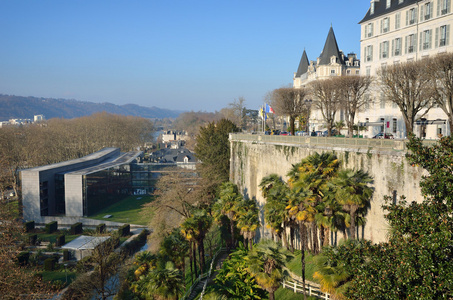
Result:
410,49
411,21
442,42
425,46
427,17
397,52
444,11
384,55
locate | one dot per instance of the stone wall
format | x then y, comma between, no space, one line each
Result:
256,156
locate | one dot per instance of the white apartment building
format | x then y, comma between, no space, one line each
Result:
332,62
397,31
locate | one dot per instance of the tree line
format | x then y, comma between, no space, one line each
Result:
413,86
57,140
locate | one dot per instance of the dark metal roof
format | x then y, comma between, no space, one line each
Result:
124,158
330,49
380,8
303,65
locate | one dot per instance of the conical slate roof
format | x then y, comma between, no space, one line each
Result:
330,49
303,65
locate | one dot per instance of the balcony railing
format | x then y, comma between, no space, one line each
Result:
427,17
442,42
444,11
425,46
397,52
411,21
410,49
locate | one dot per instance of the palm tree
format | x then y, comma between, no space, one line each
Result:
313,173
175,247
266,262
353,193
248,220
165,284
195,229
229,198
275,191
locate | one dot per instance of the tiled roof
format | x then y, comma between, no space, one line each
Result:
330,49
303,65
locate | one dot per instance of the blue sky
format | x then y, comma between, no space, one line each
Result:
186,55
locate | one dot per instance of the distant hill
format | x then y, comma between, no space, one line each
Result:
18,107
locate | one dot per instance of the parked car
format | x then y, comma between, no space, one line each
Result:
285,133
380,135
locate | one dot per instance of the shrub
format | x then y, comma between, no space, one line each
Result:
32,238
66,255
76,228
22,258
51,227
100,228
124,230
29,226
49,264
60,241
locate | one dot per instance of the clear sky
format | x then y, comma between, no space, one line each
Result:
186,55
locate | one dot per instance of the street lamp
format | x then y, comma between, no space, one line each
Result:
66,271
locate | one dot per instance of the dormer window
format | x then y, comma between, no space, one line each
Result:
356,63
372,8
400,1
387,4
333,60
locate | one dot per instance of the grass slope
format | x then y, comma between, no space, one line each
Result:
126,211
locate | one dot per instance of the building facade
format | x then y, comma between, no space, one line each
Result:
397,31
78,187
332,62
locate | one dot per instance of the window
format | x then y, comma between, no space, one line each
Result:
425,39
396,46
411,16
394,126
369,30
356,63
382,101
368,53
372,8
442,36
382,126
357,72
348,72
397,20
384,50
411,41
443,7
387,4
368,71
333,60
332,72
367,104
385,25
400,1
426,11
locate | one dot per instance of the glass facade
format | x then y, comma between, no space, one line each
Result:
105,187
60,208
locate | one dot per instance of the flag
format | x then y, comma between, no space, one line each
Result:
263,114
269,109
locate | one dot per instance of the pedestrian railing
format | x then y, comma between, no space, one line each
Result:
310,290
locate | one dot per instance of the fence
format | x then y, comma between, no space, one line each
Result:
201,277
309,289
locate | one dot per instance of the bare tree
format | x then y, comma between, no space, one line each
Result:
352,90
408,86
236,112
441,72
326,100
289,102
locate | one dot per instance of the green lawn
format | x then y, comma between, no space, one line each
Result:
58,275
52,237
287,294
126,211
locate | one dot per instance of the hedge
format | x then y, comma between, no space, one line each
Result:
51,227
76,228
60,241
29,226
49,264
22,258
124,230
32,238
100,228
